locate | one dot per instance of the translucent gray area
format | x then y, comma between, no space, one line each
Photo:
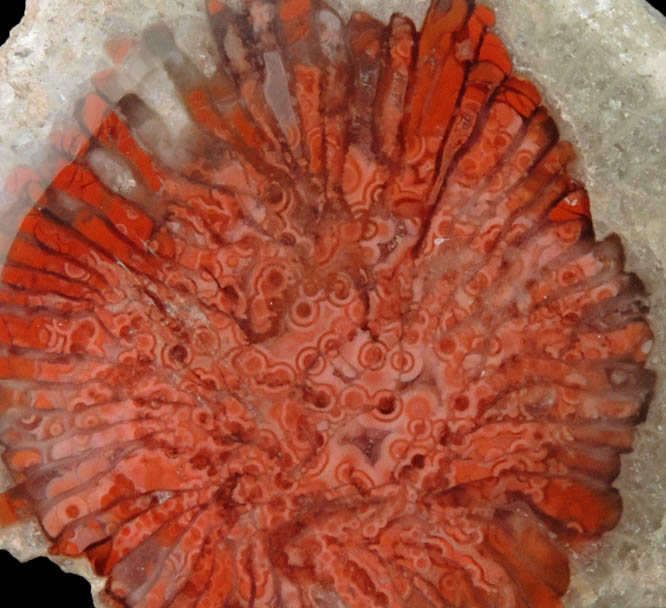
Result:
602,67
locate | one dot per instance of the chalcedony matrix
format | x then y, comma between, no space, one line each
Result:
347,341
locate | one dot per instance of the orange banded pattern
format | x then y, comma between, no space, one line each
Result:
343,338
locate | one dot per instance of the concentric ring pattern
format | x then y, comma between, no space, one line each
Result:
327,328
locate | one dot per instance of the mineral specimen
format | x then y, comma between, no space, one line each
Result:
331,330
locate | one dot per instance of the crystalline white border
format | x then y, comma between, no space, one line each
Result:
602,65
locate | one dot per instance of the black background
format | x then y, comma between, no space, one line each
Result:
39,582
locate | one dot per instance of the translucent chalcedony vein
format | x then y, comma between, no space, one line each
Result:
345,342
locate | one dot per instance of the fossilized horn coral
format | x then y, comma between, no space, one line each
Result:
347,340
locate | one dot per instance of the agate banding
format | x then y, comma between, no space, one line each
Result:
346,341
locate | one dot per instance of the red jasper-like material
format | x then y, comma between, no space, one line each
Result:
348,341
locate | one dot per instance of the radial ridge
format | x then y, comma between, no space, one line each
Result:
330,329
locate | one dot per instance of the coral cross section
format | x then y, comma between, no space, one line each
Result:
329,329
